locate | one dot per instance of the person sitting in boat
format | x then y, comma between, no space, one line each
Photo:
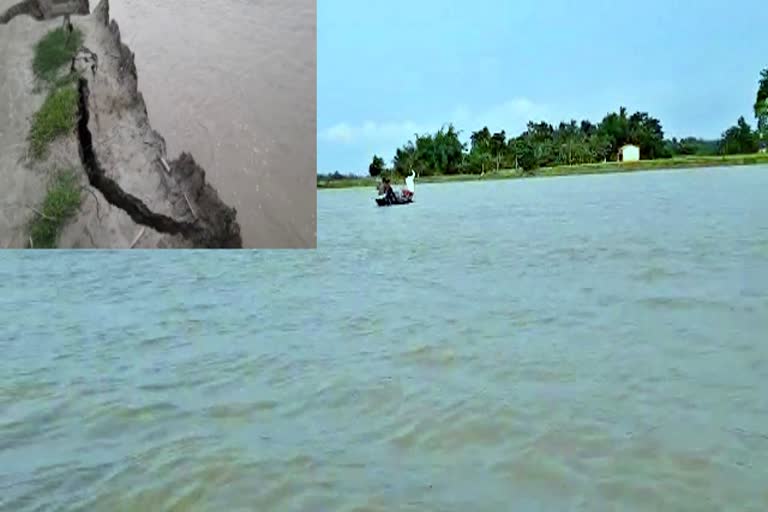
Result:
381,188
385,189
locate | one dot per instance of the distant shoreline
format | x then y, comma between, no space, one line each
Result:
567,170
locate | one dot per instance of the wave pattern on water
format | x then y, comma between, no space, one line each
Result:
413,362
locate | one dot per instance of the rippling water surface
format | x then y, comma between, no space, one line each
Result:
234,83
593,343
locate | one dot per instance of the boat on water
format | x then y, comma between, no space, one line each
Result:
399,197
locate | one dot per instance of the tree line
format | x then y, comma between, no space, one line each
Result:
569,143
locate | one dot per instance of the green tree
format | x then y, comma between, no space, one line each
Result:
587,128
480,141
571,144
476,162
448,150
601,147
376,167
540,137
739,139
441,153
498,142
486,150
761,104
498,147
615,128
405,159
525,154
691,146
646,132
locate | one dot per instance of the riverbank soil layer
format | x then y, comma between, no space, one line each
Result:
132,194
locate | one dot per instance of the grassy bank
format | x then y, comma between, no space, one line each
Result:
58,113
61,202
569,170
53,51
56,118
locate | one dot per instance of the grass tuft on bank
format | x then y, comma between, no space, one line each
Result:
56,117
61,202
55,50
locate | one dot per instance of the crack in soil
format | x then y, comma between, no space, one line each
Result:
112,192
28,7
42,9
215,224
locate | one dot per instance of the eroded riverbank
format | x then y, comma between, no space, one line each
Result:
251,67
131,194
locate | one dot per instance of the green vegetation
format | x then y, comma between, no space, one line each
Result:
60,203
761,106
377,166
54,51
337,180
56,117
541,145
58,114
573,147
739,139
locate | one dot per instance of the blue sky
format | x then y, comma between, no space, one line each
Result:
390,68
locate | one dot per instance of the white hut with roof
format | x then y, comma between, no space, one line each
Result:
629,153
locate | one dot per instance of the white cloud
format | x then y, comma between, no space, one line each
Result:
371,131
341,132
361,140
511,115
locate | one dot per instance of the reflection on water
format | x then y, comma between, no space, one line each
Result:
234,83
554,344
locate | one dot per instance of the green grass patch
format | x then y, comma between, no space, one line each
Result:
55,50
56,117
60,204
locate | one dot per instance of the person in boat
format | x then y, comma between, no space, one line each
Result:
407,191
381,188
385,189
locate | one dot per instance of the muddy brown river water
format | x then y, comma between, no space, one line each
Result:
234,83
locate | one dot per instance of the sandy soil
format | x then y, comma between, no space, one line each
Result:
20,187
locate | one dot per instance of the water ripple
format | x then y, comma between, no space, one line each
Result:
568,363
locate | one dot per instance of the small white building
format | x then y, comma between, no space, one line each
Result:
629,153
